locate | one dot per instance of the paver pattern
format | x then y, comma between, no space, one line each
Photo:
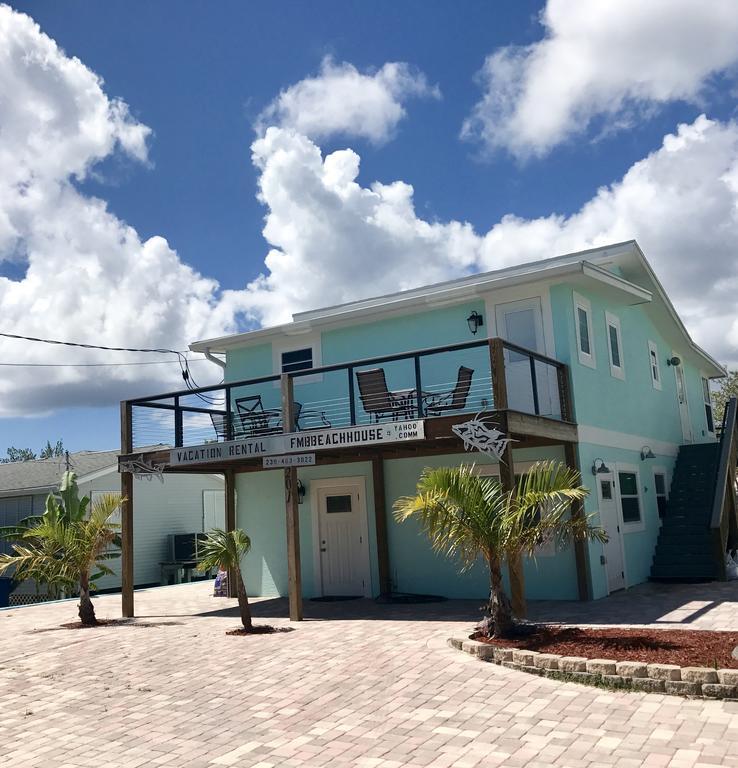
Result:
357,684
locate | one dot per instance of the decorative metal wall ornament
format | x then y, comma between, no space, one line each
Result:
479,434
142,468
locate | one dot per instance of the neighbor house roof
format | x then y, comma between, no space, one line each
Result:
20,478
634,280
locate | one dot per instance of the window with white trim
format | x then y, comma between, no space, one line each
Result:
583,326
659,484
707,397
630,499
615,346
653,364
297,360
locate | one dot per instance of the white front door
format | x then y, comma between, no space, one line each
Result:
213,510
681,389
610,521
520,322
343,551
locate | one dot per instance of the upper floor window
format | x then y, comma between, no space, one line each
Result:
653,362
583,325
297,360
615,345
708,405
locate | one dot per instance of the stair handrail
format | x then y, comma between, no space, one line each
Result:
725,469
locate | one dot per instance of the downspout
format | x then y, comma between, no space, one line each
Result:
213,359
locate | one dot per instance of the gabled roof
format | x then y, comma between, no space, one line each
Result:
43,475
633,280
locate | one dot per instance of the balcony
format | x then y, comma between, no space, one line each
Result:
443,383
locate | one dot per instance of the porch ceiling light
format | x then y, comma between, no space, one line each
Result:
475,321
647,453
602,469
675,361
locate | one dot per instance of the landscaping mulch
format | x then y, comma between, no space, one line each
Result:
258,629
684,647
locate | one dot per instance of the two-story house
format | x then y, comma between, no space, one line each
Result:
323,422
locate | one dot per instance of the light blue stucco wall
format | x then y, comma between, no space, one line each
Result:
414,566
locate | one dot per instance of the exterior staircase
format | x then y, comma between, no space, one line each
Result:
701,520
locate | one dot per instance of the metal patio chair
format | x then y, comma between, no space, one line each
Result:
435,404
255,419
377,399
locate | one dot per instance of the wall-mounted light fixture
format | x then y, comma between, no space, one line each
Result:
475,321
675,361
602,469
647,453
300,491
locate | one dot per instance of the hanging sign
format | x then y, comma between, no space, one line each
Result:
299,442
480,434
290,460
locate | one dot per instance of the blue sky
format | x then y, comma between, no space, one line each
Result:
199,74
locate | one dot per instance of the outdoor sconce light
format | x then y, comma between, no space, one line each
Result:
647,453
675,361
475,321
300,491
602,469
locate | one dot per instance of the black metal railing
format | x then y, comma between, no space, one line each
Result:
428,383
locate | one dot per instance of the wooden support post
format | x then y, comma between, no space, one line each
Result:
126,513
230,522
294,576
514,565
580,547
380,520
499,382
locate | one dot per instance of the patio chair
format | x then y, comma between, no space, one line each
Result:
255,420
376,398
219,425
435,404
309,414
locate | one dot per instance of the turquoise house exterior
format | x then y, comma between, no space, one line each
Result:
611,363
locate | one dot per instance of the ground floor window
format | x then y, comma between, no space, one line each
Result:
629,498
659,482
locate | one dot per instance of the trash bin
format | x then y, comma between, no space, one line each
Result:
5,584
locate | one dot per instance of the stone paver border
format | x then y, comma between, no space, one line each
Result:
704,682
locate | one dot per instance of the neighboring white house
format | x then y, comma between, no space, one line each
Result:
179,504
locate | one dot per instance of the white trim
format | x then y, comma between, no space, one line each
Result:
580,303
613,321
686,426
653,356
611,439
705,378
292,344
632,527
97,473
336,482
660,470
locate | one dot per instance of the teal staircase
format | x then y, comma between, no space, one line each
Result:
684,550
701,521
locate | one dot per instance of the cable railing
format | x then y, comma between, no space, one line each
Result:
469,377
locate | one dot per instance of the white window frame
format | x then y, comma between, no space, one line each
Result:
612,321
653,355
705,384
634,526
311,341
660,471
585,305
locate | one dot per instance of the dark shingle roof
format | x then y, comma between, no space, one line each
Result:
41,475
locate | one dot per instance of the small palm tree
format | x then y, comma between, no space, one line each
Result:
224,550
64,545
468,516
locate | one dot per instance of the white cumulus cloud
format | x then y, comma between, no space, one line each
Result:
334,240
341,100
88,276
600,59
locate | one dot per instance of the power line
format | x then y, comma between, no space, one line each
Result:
95,365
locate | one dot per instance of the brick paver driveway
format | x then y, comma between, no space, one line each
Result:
377,687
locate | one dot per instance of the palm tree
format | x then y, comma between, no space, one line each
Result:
224,550
467,516
62,547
